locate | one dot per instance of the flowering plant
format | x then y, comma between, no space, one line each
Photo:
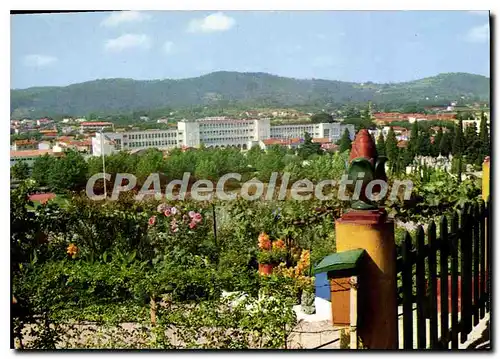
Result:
271,252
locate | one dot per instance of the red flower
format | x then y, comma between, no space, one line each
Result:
192,224
167,212
152,220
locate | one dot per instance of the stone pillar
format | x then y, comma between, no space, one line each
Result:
373,231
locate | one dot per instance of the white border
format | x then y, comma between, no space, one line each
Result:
194,5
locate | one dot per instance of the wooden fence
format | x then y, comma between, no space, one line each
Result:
456,282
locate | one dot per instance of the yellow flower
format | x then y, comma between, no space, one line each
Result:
72,250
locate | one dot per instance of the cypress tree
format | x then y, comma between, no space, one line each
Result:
391,148
413,143
484,136
445,144
458,140
345,141
436,145
381,144
424,144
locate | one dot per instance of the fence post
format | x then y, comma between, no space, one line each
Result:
373,231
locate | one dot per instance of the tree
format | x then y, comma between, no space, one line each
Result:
445,144
68,172
322,117
458,140
484,136
424,144
380,144
206,169
20,170
309,148
436,145
42,167
391,149
413,143
345,141
151,161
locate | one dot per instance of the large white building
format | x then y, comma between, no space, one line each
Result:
214,132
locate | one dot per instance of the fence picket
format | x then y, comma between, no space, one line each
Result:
482,240
431,233
465,255
421,322
475,261
407,278
443,255
464,248
454,281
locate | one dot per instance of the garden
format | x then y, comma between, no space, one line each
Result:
186,274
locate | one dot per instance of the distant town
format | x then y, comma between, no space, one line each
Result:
32,138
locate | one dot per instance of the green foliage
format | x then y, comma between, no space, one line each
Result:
68,172
20,170
458,140
309,148
380,144
345,141
391,149
322,117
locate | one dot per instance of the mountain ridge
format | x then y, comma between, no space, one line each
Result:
229,87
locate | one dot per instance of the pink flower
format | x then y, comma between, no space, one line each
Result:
197,218
176,229
152,220
191,214
173,210
192,224
167,212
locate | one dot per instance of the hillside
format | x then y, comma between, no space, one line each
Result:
120,95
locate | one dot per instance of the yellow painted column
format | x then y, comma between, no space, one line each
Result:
486,179
377,306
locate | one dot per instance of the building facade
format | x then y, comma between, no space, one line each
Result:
215,132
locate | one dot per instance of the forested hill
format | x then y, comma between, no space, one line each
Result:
234,88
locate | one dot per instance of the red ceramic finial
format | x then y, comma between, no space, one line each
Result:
363,146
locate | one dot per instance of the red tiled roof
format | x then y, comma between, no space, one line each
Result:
42,197
96,123
321,140
30,153
402,144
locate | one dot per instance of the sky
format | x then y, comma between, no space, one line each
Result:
358,46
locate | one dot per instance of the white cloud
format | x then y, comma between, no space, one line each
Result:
478,34
37,60
122,17
128,41
214,22
168,47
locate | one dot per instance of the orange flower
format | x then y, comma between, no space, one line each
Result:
72,250
264,241
279,244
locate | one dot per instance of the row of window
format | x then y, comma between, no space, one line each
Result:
152,143
232,124
143,136
226,132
